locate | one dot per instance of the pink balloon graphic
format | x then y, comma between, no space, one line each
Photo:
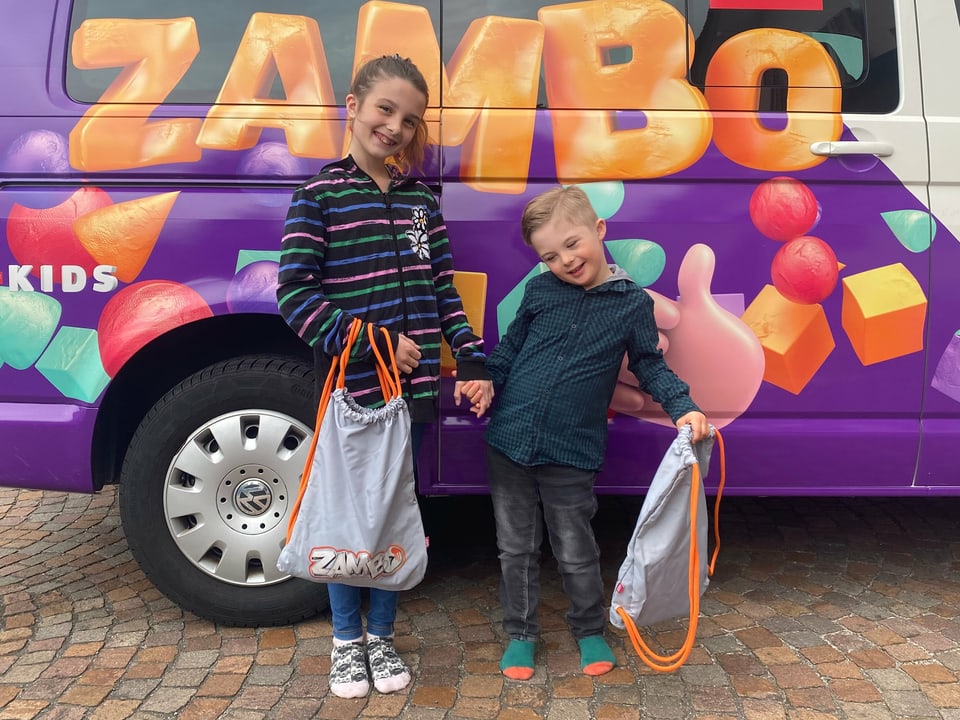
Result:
708,347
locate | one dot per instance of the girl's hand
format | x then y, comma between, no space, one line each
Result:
478,392
407,354
697,422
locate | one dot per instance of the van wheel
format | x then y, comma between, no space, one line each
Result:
207,487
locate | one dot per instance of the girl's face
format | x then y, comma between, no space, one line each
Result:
384,122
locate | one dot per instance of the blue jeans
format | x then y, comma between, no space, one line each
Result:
562,498
345,600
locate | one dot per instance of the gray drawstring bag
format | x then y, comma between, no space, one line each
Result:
356,520
665,570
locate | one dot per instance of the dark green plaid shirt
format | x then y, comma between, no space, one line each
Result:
556,368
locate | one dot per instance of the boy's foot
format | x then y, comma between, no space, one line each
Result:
389,671
348,670
517,661
596,657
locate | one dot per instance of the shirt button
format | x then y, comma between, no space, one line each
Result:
573,327
560,357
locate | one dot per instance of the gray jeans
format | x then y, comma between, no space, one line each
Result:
562,498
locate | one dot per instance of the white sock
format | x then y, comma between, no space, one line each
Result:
390,673
351,680
338,643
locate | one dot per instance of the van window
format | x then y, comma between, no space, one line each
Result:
220,27
858,36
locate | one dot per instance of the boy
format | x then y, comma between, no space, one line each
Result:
555,370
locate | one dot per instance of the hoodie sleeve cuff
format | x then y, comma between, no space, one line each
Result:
472,370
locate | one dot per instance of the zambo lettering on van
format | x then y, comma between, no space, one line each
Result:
489,89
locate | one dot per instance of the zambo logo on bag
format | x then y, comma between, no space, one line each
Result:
330,563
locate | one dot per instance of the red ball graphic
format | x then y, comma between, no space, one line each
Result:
805,270
783,208
143,312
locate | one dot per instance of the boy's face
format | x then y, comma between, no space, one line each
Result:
573,251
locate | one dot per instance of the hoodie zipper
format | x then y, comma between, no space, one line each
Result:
396,250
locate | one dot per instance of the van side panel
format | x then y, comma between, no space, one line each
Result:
63,429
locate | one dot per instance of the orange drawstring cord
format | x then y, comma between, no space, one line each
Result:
669,663
389,381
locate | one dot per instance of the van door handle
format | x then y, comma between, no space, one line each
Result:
851,147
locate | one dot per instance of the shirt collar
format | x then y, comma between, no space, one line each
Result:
349,165
618,281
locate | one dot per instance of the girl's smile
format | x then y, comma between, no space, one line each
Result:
385,121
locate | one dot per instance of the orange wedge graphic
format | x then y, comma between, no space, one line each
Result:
124,234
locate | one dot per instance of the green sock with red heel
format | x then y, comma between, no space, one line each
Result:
517,661
596,657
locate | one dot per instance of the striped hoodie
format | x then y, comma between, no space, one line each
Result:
350,250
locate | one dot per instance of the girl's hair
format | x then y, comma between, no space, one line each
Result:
394,66
571,201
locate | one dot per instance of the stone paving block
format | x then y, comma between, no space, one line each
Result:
204,709
23,709
142,671
114,710
478,708
616,712
221,685
943,696
905,703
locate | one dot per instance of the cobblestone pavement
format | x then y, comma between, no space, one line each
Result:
820,608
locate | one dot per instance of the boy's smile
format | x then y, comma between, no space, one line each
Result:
572,251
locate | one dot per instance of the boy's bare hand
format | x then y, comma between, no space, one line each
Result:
407,354
478,392
697,422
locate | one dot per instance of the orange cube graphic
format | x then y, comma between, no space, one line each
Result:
884,310
796,339
472,287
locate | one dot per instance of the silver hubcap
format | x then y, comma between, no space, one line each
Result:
229,491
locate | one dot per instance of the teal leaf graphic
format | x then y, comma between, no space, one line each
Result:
643,260
914,229
507,308
606,197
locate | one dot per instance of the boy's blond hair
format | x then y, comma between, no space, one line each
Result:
571,201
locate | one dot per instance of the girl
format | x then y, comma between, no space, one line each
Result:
362,239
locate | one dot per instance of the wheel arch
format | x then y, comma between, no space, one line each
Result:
169,359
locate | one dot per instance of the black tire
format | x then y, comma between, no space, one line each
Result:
207,487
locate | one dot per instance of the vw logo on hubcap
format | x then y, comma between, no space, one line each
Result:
253,497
